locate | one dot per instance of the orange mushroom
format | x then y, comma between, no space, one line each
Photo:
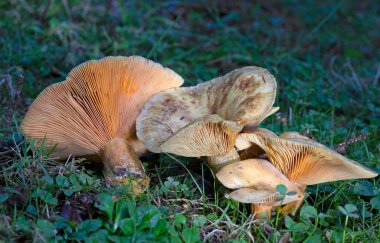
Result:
93,112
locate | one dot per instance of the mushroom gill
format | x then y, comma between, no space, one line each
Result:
307,162
93,112
297,160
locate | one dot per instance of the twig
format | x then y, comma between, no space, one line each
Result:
341,148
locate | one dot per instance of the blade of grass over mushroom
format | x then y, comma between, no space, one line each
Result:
97,104
244,96
307,162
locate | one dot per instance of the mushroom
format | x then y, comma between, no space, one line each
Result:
204,120
256,181
93,112
299,159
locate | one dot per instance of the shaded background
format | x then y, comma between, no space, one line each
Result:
324,55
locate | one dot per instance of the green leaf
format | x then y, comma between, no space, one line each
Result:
375,202
118,239
46,228
48,179
308,211
300,227
179,219
90,225
350,208
364,188
4,197
315,238
281,189
98,236
353,215
212,216
68,192
31,209
190,235
45,196
23,225
62,181
127,226
199,221
74,180
161,228
289,222
292,193
343,210
85,179
106,204
121,212
149,216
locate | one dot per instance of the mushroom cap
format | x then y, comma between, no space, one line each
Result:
253,173
262,197
206,136
307,162
256,181
242,97
99,100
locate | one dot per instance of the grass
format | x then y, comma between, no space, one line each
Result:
324,55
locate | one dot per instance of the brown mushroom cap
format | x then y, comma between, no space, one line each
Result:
242,97
307,162
99,100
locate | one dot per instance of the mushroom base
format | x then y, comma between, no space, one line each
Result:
122,164
264,211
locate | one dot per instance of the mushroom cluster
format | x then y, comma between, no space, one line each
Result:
93,113
219,120
117,108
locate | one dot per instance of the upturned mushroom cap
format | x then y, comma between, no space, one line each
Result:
93,112
307,162
99,100
256,181
242,97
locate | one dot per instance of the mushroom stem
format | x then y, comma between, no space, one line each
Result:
122,164
217,162
292,207
261,211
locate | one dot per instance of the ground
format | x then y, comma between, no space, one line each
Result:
324,54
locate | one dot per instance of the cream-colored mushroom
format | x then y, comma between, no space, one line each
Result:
297,158
205,120
93,112
307,162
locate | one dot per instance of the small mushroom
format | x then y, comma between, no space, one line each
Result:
205,120
297,158
93,112
256,181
